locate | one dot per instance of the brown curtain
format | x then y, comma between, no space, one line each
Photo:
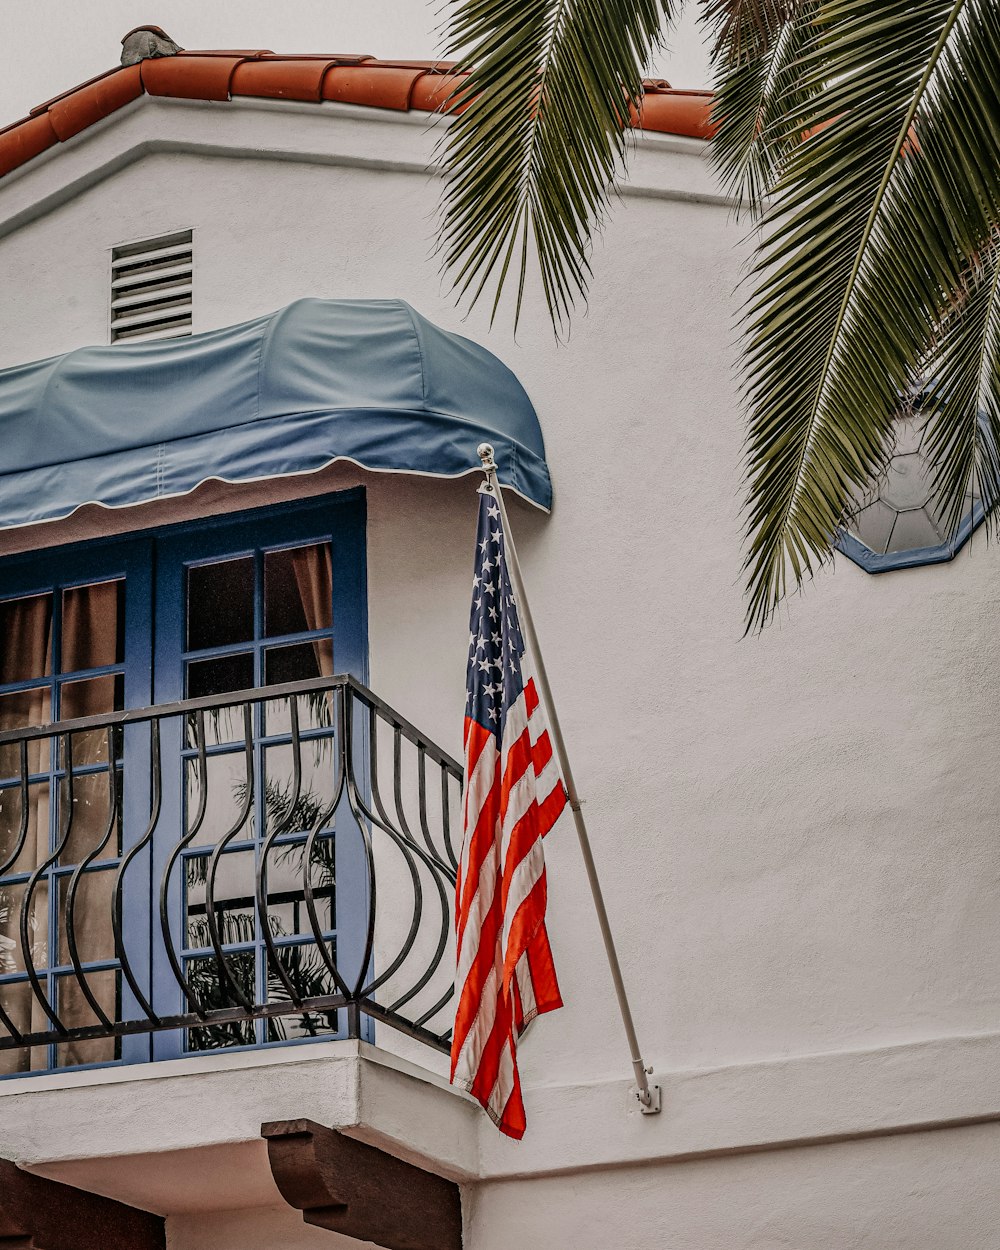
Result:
89,640
25,653
314,578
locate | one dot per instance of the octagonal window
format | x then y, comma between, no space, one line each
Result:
899,523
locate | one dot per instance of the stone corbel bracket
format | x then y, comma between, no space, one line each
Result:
39,1214
359,1191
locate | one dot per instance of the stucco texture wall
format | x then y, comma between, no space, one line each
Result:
796,832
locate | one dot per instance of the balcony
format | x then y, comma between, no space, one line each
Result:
240,870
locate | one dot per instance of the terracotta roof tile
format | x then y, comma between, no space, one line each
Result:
190,77
350,78
301,79
677,112
431,91
27,139
80,109
377,84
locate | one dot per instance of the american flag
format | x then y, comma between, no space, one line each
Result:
513,796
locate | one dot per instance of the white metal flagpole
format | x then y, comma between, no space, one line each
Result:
648,1095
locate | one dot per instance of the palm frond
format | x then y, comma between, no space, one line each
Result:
757,53
963,433
537,135
865,247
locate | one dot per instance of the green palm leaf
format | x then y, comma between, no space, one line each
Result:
963,435
757,61
538,134
865,247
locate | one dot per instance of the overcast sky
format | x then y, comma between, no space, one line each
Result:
47,46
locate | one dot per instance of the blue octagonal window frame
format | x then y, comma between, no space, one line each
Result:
873,562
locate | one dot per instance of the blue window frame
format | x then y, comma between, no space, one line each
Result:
222,604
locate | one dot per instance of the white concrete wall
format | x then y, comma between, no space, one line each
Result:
796,832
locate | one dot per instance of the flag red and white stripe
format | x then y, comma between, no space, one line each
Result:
513,796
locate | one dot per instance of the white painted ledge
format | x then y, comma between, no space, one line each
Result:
183,1135
668,167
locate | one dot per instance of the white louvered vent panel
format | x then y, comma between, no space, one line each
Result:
151,286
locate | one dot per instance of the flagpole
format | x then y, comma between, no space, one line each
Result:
648,1095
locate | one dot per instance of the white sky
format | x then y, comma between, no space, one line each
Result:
47,46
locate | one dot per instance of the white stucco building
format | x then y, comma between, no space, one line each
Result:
796,832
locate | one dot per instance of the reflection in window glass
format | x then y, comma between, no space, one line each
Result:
220,675
310,977
220,603
213,993
298,661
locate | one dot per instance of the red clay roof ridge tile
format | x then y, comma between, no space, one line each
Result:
345,77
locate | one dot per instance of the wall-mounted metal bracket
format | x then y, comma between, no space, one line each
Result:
652,1107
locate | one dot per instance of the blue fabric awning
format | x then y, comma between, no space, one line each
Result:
369,381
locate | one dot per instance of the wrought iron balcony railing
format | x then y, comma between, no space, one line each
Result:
251,867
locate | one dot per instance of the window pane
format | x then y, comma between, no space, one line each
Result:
310,976
12,903
90,697
288,912
17,853
25,638
234,899
93,626
220,675
76,1012
96,816
214,993
95,939
298,662
298,590
220,603
18,1001
318,766
18,710
224,789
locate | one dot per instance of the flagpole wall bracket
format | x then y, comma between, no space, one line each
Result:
654,1105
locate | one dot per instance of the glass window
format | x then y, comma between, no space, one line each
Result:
220,603
899,522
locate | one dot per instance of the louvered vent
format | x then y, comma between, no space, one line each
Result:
151,289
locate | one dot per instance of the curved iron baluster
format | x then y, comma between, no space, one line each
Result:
422,798
156,799
383,822
352,799
431,1012
22,832
213,864
192,833
363,813
323,819
70,908
11,860
446,817
397,782
281,826
373,719
36,876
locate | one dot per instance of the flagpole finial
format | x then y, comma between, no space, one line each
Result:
485,453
